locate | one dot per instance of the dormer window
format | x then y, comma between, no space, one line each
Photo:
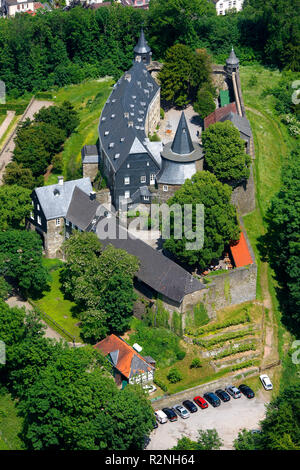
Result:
126,115
103,119
133,97
56,192
132,105
113,116
114,100
122,139
111,145
106,133
117,155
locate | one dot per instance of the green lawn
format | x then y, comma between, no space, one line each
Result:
88,98
57,307
10,424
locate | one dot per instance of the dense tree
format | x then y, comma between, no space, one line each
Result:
220,219
5,288
21,259
15,205
99,279
281,244
204,104
75,405
64,117
184,71
17,174
94,326
36,144
225,154
207,440
248,440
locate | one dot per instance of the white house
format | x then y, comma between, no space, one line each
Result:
223,6
11,7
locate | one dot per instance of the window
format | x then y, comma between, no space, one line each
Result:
31,215
127,194
67,222
146,198
57,222
39,220
38,207
152,178
127,180
165,188
143,179
128,165
148,163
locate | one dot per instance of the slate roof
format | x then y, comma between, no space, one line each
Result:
142,45
132,95
124,358
89,154
182,142
179,156
82,209
232,59
156,270
55,199
240,122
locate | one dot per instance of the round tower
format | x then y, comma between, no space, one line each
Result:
232,63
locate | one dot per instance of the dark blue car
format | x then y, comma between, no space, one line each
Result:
212,399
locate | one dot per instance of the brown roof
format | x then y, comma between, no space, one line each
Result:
219,114
124,357
240,252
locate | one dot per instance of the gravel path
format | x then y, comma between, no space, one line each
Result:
5,124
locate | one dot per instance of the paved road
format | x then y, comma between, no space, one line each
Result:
228,419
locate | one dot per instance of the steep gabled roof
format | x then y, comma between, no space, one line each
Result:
82,209
182,143
55,199
123,117
240,122
124,357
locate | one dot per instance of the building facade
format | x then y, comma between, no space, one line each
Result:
224,6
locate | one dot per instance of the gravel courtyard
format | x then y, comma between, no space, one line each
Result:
228,419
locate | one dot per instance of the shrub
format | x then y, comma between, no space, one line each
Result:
5,289
196,363
174,375
57,163
162,113
161,384
181,355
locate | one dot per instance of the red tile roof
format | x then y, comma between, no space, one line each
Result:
125,354
240,252
219,114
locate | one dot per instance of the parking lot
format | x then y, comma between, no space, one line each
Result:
228,419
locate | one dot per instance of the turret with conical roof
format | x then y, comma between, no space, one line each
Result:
232,63
182,143
142,52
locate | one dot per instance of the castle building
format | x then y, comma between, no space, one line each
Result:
180,160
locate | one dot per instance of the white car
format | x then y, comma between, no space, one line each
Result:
149,388
265,380
233,391
181,411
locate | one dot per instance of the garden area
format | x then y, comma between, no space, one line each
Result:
55,305
10,424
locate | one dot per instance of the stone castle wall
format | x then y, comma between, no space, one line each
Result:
153,115
54,238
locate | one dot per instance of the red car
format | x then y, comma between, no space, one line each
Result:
201,402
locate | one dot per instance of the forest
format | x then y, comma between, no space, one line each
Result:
63,47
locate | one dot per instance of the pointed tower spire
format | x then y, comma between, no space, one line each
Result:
232,59
182,143
142,51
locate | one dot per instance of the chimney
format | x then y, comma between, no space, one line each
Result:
60,180
92,195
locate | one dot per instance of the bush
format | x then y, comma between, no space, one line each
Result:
57,163
161,384
174,375
196,363
181,355
5,289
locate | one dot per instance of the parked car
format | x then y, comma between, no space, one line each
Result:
201,402
212,399
222,395
190,406
233,391
181,411
172,416
265,380
149,388
247,391
160,416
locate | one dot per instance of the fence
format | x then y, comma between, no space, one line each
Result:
52,323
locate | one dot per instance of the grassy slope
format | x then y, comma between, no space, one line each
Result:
10,424
88,98
272,146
